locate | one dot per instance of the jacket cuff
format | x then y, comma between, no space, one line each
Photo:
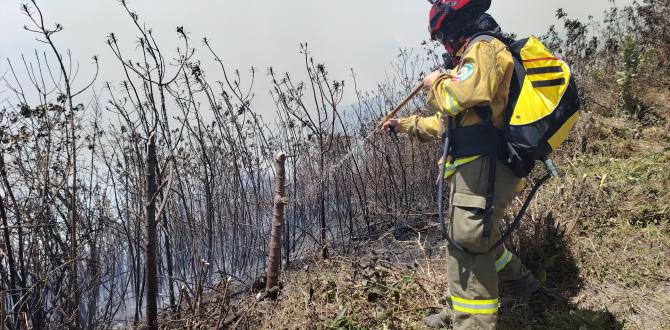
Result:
406,124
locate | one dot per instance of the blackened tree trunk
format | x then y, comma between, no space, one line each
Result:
322,201
15,295
3,317
150,218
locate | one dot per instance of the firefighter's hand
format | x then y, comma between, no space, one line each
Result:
391,124
430,79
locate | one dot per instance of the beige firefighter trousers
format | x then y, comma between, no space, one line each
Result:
473,274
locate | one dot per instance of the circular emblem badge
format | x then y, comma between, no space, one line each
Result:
464,73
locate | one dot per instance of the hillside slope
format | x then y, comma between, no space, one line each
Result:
598,236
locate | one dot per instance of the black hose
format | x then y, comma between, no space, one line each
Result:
517,219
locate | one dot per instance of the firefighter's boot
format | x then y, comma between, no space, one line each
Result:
438,320
518,294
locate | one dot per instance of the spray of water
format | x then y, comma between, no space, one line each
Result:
354,150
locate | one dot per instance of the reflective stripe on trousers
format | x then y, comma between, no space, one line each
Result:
475,306
504,259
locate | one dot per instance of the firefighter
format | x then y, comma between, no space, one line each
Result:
481,78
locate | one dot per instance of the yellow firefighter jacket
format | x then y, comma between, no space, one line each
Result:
482,77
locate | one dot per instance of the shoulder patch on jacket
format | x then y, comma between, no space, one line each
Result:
464,73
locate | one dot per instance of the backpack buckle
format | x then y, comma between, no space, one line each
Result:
488,209
550,167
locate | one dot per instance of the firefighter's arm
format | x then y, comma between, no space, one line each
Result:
425,129
475,83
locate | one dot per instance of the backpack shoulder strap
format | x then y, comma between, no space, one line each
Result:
477,38
491,34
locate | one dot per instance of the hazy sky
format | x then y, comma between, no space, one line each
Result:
363,34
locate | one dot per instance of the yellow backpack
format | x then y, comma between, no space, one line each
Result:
543,105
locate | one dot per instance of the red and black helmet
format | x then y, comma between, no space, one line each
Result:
450,19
